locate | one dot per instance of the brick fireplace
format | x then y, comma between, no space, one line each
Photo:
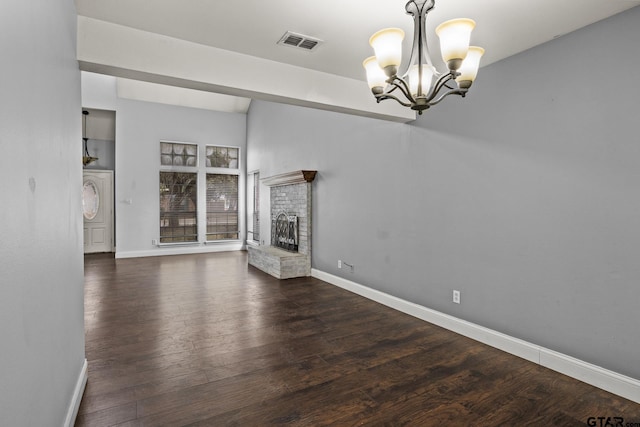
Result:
290,252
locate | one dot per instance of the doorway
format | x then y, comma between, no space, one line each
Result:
97,210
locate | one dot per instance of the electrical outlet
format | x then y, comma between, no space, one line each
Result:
154,242
456,297
339,263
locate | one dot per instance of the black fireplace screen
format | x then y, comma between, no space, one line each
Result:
284,232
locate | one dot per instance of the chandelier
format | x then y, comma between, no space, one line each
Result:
421,85
86,158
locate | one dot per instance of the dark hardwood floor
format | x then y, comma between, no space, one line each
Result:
204,340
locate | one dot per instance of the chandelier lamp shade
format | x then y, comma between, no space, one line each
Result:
420,85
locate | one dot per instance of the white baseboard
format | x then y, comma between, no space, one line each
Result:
182,250
74,405
591,374
605,379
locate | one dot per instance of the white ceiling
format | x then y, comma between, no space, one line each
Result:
252,27
163,94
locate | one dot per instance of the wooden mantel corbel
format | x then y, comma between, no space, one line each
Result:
295,177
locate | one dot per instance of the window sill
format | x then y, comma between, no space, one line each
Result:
214,242
160,245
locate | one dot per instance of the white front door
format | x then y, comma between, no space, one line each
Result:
97,209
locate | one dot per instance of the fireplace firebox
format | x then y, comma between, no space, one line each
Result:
284,229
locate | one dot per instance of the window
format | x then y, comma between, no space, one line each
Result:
178,154
198,198
178,207
222,157
253,209
222,207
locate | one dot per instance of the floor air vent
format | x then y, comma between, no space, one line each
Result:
299,41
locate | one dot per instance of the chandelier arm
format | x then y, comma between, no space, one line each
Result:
383,96
404,88
461,92
442,80
387,95
393,87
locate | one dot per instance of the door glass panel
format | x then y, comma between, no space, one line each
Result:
90,200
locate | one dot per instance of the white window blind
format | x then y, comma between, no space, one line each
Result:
222,207
178,202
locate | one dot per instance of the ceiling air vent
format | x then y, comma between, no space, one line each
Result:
299,41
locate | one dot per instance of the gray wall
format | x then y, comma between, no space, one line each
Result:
524,196
140,126
41,291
